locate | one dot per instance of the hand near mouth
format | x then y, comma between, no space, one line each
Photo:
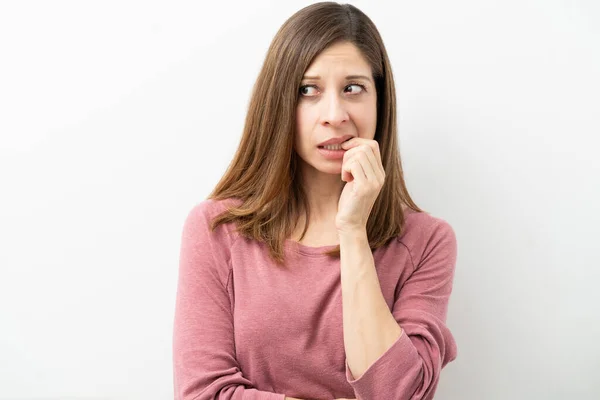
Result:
363,171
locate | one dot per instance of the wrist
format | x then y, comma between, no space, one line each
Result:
342,225
352,232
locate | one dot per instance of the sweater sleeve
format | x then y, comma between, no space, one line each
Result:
410,368
204,363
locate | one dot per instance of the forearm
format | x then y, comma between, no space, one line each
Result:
369,326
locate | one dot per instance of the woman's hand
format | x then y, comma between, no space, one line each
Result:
363,171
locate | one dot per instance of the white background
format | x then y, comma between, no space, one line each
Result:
117,117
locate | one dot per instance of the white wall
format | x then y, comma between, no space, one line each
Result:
117,117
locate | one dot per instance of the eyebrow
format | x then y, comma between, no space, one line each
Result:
347,77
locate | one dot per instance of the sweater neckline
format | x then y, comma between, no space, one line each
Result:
309,250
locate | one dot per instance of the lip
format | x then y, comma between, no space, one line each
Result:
332,154
337,140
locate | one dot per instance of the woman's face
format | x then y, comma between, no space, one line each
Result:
337,100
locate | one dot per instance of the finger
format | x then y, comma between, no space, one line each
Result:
357,168
352,170
348,144
347,171
347,160
377,153
374,147
375,173
349,154
367,160
372,168
355,142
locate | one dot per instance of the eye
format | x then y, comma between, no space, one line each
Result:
304,88
362,88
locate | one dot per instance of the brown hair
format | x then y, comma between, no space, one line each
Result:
263,172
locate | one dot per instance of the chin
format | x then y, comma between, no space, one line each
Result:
331,169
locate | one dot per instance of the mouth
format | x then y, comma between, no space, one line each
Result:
337,146
332,152
335,141
332,147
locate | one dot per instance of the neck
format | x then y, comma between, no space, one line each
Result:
323,194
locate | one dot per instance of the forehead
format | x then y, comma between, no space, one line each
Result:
342,58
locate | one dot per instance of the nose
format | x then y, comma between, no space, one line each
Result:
334,112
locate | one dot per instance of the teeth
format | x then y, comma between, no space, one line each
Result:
333,147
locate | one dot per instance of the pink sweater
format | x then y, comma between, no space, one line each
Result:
246,329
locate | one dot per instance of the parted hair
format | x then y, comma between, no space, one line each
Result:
264,175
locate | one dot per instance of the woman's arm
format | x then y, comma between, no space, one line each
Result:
204,359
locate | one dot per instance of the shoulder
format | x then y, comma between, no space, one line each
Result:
210,208
199,220
424,233
206,252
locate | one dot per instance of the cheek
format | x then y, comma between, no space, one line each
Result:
299,118
365,119
304,117
304,125
301,130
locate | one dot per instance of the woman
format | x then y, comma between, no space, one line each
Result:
309,272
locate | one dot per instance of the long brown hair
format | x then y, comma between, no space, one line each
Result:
263,175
